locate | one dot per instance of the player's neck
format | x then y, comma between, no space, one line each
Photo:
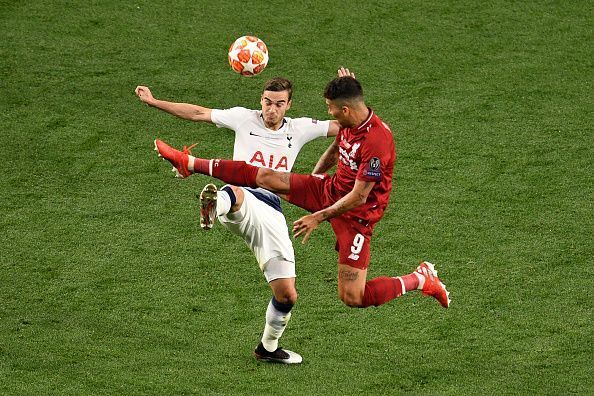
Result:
275,127
360,115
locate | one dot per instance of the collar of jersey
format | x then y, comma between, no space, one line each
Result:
279,128
365,125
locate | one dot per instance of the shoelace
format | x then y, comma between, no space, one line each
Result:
426,272
188,150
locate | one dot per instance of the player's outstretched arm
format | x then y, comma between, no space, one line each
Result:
186,111
333,128
328,160
358,196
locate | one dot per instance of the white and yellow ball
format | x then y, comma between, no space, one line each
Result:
248,55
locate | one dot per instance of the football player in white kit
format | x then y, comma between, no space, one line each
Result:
264,138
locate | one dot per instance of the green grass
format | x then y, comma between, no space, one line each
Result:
107,286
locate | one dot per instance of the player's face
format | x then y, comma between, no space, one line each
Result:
340,113
274,106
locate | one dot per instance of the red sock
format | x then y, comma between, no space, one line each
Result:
201,166
237,173
380,290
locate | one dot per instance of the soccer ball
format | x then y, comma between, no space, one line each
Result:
248,55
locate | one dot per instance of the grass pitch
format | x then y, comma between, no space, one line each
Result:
107,286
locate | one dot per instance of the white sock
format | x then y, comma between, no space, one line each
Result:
421,280
191,163
223,203
276,322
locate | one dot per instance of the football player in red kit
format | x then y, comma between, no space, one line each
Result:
353,200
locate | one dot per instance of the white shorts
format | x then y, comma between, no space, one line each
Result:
264,230
278,268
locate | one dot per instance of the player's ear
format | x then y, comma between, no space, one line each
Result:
289,103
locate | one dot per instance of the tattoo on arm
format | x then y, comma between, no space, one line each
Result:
328,163
366,186
328,160
333,210
285,179
348,275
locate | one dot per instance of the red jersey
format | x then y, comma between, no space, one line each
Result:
367,153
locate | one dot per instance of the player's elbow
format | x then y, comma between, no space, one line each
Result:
361,199
197,116
199,113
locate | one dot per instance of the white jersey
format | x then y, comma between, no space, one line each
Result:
260,224
259,146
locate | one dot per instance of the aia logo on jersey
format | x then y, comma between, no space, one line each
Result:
373,168
271,162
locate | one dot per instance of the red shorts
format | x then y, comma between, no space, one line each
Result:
353,235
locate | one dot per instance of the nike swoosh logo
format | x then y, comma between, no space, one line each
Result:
266,137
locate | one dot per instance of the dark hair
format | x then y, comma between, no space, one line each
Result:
279,84
343,88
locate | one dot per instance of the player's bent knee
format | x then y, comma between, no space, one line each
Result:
287,296
277,182
264,176
238,191
351,300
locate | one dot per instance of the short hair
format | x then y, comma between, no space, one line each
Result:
279,84
344,88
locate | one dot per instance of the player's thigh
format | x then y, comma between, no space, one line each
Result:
353,246
307,192
271,241
353,242
263,228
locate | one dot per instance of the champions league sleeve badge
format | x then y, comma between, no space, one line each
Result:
373,168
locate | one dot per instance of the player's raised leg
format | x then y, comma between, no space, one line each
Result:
233,172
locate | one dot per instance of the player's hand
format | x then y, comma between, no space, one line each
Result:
144,93
342,72
304,226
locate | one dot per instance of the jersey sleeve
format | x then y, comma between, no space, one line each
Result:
376,157
310,129
229,118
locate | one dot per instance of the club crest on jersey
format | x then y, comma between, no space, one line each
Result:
373,168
